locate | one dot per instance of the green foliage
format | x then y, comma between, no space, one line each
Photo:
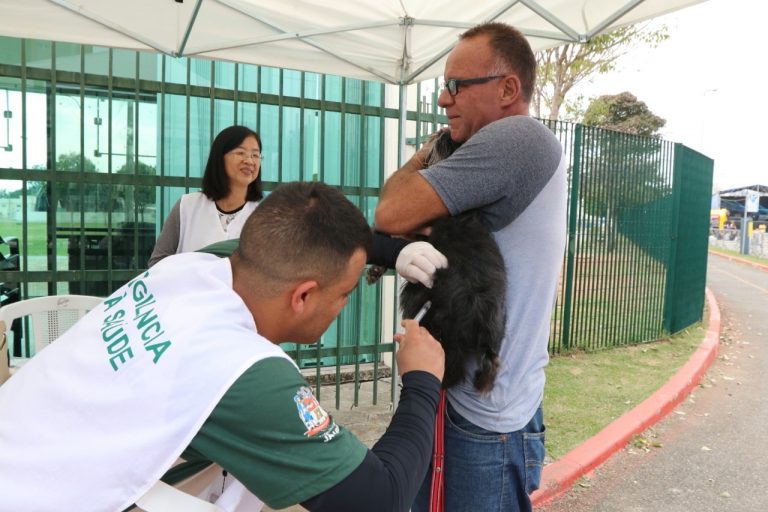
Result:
94,196
141,195
624,113
565,66
77,196
622,174
73,162
34,187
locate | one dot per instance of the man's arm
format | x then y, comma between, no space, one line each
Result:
392,471
385,250
259,434
407,200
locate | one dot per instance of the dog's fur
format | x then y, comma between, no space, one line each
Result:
467,314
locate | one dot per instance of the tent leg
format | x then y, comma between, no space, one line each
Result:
401,123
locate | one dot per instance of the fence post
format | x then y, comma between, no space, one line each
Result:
746,231
571,252
674,225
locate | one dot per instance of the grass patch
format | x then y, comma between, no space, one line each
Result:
726,252
37,235
587,391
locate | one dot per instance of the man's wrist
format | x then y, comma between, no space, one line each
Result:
422,378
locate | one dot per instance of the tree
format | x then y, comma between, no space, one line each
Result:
561,68
140,195
621,171
623,113
34,187
95,196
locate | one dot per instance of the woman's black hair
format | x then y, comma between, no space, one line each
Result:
215,181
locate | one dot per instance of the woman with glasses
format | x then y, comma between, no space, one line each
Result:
231,191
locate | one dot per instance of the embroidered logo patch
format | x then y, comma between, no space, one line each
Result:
311,413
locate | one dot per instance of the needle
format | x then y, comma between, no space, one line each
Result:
422,311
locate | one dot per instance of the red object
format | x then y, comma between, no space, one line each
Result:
437,490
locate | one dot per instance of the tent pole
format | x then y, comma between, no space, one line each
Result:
395,304
401,123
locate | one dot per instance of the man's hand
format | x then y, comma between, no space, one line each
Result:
419,351
418,261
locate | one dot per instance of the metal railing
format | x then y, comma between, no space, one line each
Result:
731,238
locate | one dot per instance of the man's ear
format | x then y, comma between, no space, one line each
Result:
300,295
510,92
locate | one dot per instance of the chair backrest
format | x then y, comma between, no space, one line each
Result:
50,316
5,371
164,498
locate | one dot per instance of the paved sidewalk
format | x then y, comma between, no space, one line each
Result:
560,475
709,456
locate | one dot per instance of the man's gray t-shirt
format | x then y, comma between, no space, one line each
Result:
513,170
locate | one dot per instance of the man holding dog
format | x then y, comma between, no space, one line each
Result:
511,168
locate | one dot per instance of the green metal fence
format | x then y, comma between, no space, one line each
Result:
635,263
99,143
689,235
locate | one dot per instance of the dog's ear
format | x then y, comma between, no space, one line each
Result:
374,273
442,146
412,298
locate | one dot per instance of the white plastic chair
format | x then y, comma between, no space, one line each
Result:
5,370
190,495
49,317
162,497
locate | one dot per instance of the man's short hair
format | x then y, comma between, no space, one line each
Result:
302,231
512,51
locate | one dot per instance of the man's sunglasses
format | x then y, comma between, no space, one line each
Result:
452,85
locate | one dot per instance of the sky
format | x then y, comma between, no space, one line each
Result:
707,80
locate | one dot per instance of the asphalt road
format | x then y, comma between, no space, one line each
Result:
711,453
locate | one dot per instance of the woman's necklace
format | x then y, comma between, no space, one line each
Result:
226,217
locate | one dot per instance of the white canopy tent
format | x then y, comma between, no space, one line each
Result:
392,41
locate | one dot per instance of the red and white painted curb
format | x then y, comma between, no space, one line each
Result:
560,475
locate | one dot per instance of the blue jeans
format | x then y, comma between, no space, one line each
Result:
488,471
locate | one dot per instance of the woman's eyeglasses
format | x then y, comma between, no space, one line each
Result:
245,155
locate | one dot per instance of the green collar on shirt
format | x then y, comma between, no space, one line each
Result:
222,249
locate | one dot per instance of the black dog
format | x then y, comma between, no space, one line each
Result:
467,314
